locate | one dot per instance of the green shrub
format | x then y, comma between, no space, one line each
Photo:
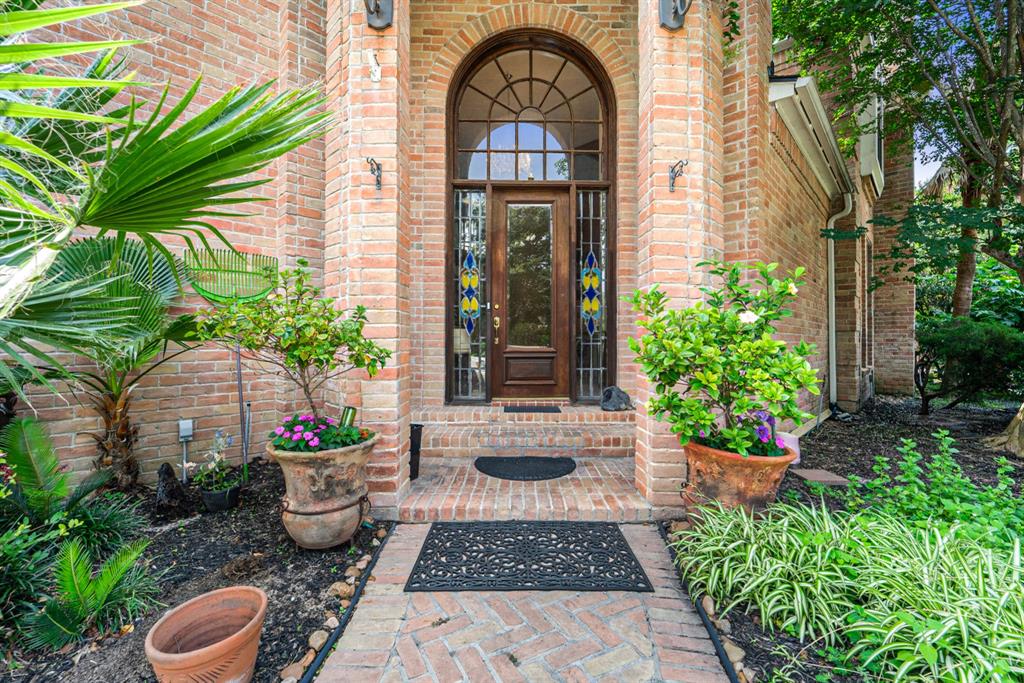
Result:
42,495
998,295
959,359
910,603
24,556
933,492
719,375
119,591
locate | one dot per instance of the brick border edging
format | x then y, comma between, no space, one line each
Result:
723,658
314,667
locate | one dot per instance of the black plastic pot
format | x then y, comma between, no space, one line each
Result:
218,501
415,438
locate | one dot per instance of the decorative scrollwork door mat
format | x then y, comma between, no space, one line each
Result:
521,556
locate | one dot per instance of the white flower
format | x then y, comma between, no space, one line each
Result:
748,317
792,289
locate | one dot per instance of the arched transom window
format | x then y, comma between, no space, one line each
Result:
530,114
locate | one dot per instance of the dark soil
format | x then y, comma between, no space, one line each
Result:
848,447
197,553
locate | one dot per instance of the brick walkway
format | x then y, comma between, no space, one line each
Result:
600,490
523,636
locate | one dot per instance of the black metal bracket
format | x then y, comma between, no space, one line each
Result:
379,13
674,172
375,170
673,13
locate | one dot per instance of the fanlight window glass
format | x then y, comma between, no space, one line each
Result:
530,115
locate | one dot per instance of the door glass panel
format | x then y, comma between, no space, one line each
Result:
469,317
529,267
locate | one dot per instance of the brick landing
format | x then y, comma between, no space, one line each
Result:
522,636
600,490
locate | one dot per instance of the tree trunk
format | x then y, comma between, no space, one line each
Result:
1012,438
966,267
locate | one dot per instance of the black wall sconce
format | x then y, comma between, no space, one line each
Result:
673,13
674,172
379,13
375,170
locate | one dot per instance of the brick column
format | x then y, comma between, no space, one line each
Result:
746,134
367,230
894,301
680,107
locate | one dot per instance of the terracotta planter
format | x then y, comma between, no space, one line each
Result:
732,479
325,493
213,637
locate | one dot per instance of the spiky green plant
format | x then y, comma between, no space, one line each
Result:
116,172
118,592
42,496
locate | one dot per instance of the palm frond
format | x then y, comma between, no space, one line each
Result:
114,570
28,19
160,182
36,467
53,627
73,575
92,483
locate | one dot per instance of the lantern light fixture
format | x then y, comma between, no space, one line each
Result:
673,13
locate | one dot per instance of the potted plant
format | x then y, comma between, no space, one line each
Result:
304,338
724,383
212,637
218,482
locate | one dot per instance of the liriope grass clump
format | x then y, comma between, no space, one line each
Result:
903,602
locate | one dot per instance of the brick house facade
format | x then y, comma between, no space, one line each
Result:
753,188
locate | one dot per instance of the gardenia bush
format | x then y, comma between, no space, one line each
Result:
720,377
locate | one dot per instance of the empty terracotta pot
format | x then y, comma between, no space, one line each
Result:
732,479
213,637
325,493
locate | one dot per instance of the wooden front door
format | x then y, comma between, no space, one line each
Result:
530,318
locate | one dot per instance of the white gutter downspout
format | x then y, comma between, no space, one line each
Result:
833,372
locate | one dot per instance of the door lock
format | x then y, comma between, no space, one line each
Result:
497,322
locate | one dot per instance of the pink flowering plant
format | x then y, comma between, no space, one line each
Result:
307,433
720,377
305,338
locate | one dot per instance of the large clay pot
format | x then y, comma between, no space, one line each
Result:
325,493
732,479
213,637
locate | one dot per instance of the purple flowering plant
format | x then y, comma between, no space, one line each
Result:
720,377
308,434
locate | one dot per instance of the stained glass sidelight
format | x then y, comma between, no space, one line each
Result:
469,331
591,260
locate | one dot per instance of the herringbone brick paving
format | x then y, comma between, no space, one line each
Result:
523,636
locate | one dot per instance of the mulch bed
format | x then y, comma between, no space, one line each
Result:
202,552
848,447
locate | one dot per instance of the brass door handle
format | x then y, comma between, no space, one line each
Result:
497,322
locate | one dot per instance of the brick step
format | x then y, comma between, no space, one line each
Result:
610,440
487,415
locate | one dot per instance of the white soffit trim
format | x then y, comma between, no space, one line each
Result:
799,104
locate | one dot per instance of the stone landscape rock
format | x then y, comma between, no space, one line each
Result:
381,533
331,623
723,625
353,572
341,589
292,672
345,604
733,651
308,658
679,525
317,639
708,604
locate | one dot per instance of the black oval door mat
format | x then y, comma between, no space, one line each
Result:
528,468
526,556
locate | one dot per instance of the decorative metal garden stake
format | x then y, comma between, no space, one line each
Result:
379,13
221,276
375,170
673,13
674,172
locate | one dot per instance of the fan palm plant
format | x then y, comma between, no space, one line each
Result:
113,171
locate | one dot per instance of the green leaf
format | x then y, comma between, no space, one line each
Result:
27,20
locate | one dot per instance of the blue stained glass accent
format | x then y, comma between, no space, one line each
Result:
469,325
469,263
590,280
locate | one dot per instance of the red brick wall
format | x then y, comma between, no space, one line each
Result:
235,42
796,209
